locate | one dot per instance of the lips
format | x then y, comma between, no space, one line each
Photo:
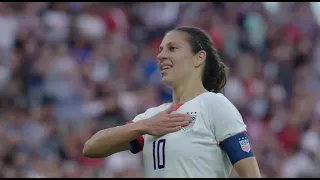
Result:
164,67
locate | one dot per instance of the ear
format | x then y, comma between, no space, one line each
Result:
200,58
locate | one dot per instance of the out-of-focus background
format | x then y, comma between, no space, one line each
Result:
70,69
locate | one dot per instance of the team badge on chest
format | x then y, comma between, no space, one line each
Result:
193,118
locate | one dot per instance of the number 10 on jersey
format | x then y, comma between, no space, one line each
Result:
158,154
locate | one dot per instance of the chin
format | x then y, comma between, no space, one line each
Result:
167,81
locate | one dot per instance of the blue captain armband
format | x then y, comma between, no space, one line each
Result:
237,147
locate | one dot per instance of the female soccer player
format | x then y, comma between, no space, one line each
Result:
201,134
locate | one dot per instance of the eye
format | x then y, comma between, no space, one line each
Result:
172,48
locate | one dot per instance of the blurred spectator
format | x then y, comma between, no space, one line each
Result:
70,69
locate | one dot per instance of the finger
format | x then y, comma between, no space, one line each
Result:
179,119
179,115
183,124
173,129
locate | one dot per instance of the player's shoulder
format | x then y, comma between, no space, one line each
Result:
218,102
154,110
211,97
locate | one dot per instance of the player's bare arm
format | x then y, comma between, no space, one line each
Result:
247,168
109,141
241,155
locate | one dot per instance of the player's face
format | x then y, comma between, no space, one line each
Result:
175,58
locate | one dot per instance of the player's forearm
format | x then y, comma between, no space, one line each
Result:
250,174
112,140
248,168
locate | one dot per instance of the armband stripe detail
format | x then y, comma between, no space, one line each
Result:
237,147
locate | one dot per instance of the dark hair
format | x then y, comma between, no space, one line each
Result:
214,76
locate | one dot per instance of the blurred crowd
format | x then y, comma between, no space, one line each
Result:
70,69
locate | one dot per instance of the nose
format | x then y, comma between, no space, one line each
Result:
162,56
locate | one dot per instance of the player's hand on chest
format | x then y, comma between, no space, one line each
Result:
179,145
187,137
166,122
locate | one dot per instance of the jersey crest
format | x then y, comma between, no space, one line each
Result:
245,145
193,118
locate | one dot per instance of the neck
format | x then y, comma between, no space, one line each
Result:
187,91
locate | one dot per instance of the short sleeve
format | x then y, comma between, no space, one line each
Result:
225,119
139,117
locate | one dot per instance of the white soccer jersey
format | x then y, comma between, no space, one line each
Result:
194,151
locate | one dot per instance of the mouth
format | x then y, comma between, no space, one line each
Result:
165,68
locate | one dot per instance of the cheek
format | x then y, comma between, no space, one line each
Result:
183,66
